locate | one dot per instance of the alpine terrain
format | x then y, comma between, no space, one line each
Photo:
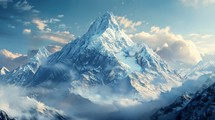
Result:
106,57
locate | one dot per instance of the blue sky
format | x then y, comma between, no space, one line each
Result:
30,24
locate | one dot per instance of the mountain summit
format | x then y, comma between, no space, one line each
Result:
3,71
102,23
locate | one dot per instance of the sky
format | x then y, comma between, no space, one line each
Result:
30,24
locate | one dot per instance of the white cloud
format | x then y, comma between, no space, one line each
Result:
26,23
18,105
62,37
23,5
35,11
53,48
52,20
41,25
11,60
60,16
204,42
196,3
4,3
11,26
26,31
47,33
128,24
62,26
169,46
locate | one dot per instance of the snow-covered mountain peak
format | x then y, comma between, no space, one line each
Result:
40,55
43,52
3,71
105,35
102,23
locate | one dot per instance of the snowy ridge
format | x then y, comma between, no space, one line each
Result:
3,71
22,74
201,107
200,69
171,111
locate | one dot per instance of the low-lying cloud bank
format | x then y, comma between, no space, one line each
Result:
17,104
171,47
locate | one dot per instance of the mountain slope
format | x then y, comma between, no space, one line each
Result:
201,107
171,111
4,116
22,74
201,74
196,88
105,56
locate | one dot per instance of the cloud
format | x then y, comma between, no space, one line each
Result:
26,23
60,16
11,26
204,42
53,48
35,11
196,3
52,20
11,60
18,105
62,26
62,37
23,5
46,33
4,3
26,31
169,46
41,25
127,24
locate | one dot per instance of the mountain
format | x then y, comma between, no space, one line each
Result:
201,107
106,57
36,114
4,116
171,111
22,74
200,69
199,80
11,60
3,71
200,74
